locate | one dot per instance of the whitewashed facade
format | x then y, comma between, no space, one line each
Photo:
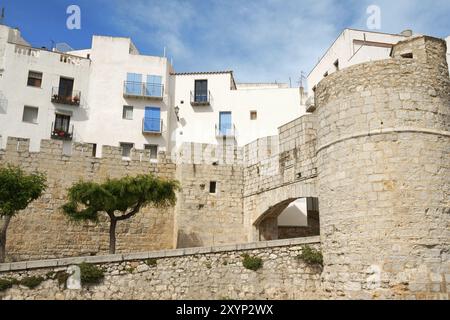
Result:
350,48
113,95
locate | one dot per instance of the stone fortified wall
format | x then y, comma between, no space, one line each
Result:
198,273
375,153
204,218
42,231
278,171
384,174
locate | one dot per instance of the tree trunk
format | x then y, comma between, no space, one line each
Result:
112,236
4,227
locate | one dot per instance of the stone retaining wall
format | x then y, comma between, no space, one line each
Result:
198,273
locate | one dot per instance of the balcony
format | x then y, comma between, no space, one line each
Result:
143,90
73,98
62,134
225,131
152,126
200,99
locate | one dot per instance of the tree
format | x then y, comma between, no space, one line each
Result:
119,199
17,191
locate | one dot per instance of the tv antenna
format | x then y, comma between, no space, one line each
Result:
2,17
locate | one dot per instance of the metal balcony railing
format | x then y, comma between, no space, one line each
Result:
143,90
62,134
200,99
59,96
152,126
225,131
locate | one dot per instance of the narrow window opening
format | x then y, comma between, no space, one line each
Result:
30,114
127,113
126,150
213,187
153,150
94,150
408,55
253,115
34,79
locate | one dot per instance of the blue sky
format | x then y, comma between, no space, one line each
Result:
261,40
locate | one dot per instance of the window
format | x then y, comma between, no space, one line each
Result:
34,79
213,187
253,115
336,65
153,151
65,89
30,114
152,120
134,84
126,149
62,123
94,150
225,123
201,90
127,113
154,86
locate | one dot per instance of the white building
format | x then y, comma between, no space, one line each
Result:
224,109
40,89
353,47
110,94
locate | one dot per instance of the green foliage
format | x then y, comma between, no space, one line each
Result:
31,282
311,256
18,189
125,196
130,269
91,274
6,284
151,262
252,263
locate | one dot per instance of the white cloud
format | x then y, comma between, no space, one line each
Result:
264,40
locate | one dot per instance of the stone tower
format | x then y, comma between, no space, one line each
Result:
384,177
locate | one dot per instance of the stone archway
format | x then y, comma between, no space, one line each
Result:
267,225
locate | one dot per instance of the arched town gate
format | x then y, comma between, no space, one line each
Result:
264,208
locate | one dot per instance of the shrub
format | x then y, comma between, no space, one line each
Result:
31,282
91,274
252,263
311,256
151,262
5,284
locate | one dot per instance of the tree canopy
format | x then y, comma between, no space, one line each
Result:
120,199
18,189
